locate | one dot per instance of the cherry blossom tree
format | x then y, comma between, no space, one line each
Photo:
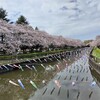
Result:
96,42
19,37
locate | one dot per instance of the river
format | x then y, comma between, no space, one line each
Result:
73,75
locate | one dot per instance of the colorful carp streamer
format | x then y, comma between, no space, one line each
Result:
28,67
16,66
34,68
58,67
64,60
51,67
5,67
73,83
93,83
13,83
21,84
21,67
43,66
57,83
34,85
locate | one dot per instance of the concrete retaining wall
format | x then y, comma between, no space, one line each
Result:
93,64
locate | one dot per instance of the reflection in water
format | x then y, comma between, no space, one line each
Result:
39,76
74,80
67,85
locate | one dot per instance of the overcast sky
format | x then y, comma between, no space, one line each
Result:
70,18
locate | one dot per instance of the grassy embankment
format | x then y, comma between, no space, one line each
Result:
5,59
96,54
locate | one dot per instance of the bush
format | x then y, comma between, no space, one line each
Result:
96,52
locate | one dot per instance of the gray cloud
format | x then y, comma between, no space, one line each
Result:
63,8
58,17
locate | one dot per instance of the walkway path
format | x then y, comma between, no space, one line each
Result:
76,83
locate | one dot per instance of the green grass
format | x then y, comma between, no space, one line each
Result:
96,53
5,59
29,55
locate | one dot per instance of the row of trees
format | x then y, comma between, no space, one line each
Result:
22,38
21,20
